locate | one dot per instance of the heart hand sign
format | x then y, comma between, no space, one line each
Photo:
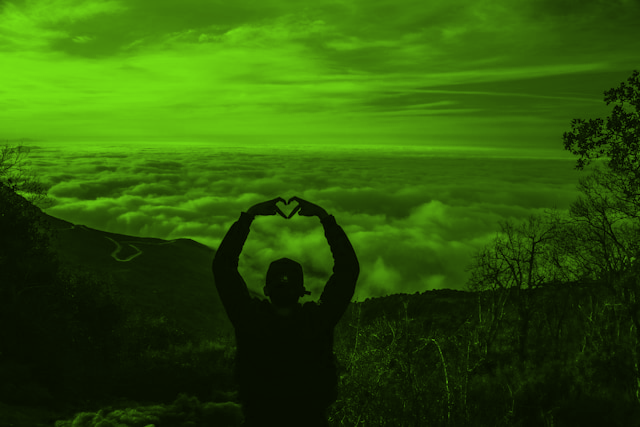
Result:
269,207
291,212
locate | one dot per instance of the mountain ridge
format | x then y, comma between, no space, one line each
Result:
154,273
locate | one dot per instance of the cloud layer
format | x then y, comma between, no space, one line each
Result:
415,217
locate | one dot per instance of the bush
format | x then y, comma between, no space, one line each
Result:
185,411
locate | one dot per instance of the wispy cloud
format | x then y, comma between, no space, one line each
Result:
120,70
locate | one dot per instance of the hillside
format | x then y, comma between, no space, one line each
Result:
170,278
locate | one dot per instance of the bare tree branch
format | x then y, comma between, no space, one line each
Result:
13,175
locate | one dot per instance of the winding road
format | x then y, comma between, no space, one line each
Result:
118,248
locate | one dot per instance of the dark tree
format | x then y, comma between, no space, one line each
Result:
608,217
13,175
618,140
515,263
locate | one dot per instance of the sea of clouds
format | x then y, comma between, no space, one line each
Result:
415,216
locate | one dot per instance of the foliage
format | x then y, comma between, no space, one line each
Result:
595,245
619,140
184,411
395,375
27,262
28,271
13,175
547,392
68,323
54,315
26,237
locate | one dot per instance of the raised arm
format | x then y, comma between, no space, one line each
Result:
231,286
341,285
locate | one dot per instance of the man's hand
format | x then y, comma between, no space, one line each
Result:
268,208
307,208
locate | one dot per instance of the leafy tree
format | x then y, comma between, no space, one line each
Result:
606,225
619,140
605,235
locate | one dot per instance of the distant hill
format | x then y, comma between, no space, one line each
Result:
163,277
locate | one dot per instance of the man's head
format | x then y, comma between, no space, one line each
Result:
285,283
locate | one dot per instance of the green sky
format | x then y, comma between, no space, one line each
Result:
166,119
451,72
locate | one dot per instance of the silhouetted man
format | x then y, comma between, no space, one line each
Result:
285,365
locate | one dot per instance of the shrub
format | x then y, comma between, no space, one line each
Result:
185,411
